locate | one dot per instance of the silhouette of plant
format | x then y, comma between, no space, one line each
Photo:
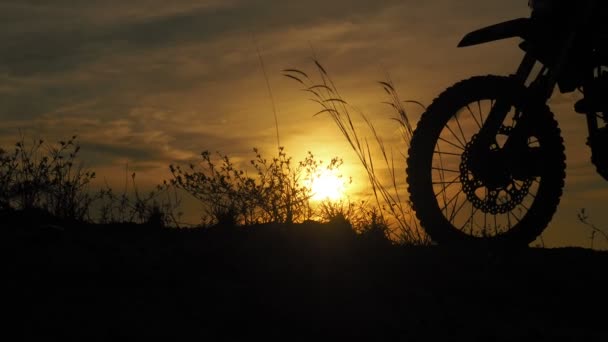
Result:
584,219
365,219
158,208
374,226
47,177
329,210
287,190
277,192
388,198
6,179
227,193
283,197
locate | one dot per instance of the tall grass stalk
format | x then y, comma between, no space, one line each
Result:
270,94
388,197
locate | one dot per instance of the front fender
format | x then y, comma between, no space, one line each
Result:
508,29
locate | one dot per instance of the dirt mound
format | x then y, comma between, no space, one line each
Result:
294,283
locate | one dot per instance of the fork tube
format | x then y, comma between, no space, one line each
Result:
525,68
501,108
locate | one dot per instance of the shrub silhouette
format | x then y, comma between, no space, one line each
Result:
279,191
48,177
39,177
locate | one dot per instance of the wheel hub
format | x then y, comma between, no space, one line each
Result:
486,178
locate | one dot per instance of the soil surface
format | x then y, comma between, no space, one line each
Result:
298,282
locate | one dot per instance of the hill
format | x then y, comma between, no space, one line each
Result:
296,282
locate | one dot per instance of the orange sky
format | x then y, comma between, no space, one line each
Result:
150,82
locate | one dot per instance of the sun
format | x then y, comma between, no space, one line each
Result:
327,186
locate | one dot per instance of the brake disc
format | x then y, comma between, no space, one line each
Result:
492,200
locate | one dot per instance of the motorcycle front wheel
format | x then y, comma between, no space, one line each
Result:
463,197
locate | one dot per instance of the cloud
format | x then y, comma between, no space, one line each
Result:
112,55
112,61
143,136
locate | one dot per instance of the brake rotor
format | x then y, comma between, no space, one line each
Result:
496,199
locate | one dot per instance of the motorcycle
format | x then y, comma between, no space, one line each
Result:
486,161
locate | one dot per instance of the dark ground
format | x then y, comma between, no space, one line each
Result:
303,282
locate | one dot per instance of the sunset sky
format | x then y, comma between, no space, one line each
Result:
149,82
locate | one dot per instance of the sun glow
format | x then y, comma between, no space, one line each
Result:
327,186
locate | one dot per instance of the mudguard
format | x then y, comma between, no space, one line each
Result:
508,29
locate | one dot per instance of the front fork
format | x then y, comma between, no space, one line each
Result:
501,108
523,161
540,89
518,137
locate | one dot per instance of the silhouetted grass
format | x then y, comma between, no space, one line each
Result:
158,207
389,197
276,190
583,217
41,178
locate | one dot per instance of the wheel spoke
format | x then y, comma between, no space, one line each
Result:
448,153
470,220
451,143
480,112
460,129
485,215
448,183
455,180
454,213
463,144
442,177
445,187
453,209
515,216
474,117
452,199
447,170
